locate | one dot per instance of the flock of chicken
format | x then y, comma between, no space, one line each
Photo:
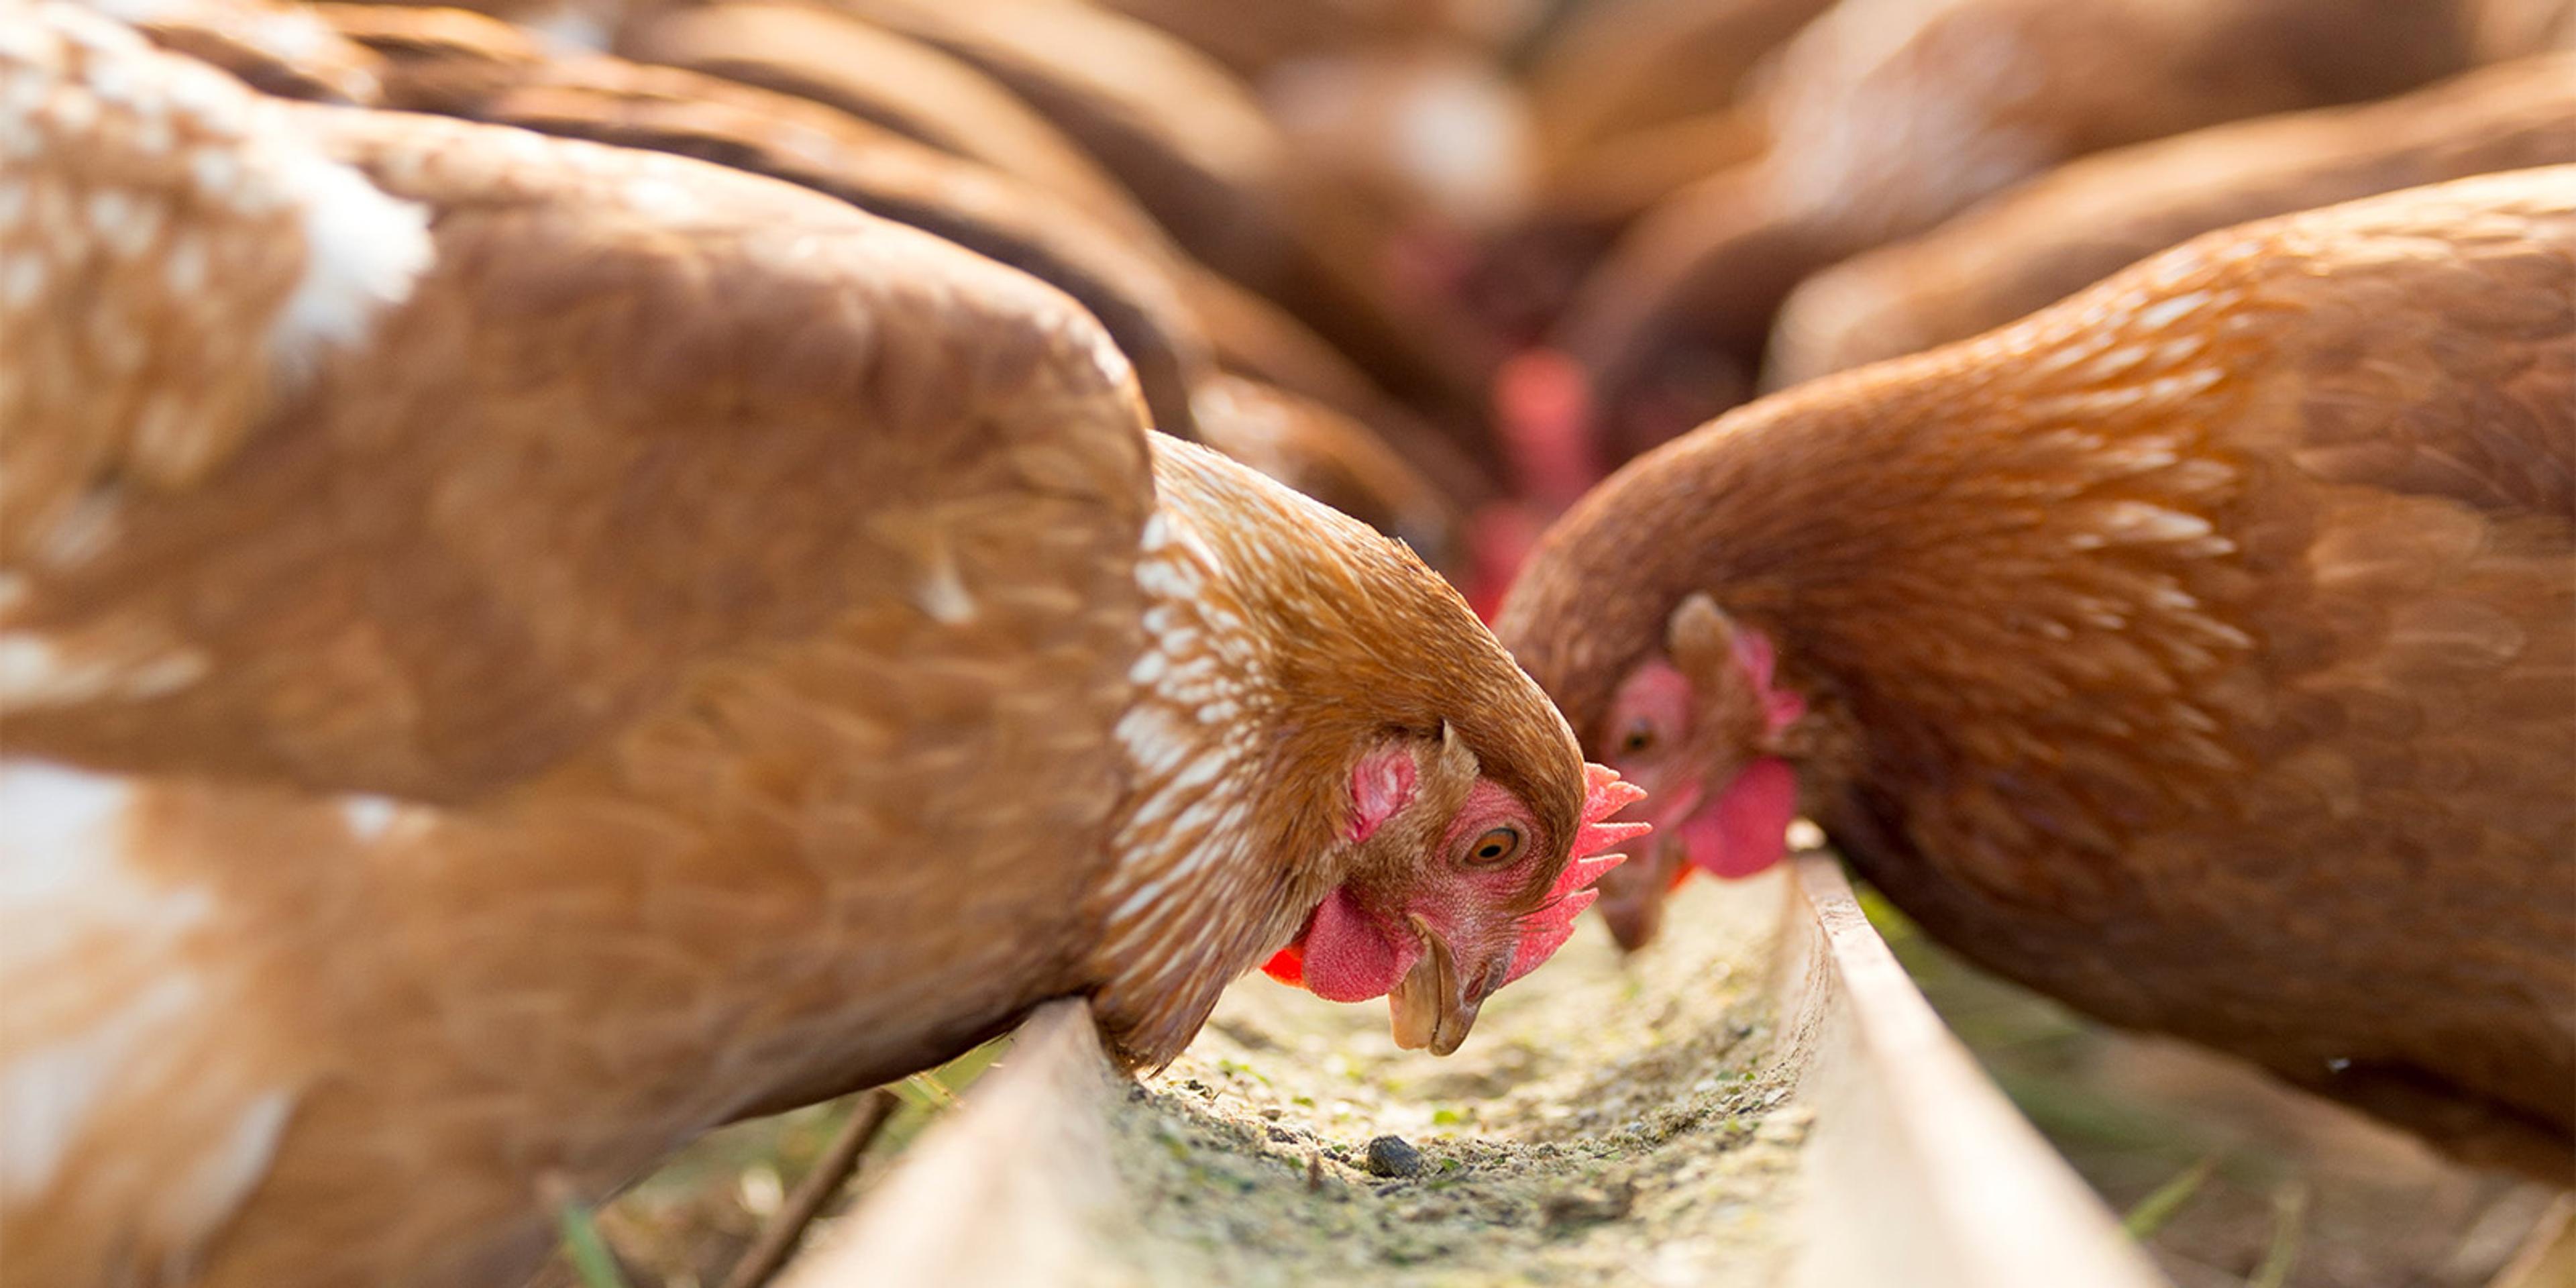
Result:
551,601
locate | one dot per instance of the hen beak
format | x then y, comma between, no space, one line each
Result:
1635,916
1431,1004
1632,897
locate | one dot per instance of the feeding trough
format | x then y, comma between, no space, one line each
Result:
1762,1099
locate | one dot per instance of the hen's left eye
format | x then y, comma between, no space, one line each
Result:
1497,845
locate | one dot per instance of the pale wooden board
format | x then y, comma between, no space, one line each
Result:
1004,1191
1918,1171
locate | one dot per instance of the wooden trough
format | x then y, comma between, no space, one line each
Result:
1844,1139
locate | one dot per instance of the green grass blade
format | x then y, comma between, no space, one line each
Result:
925,1092
588,1253
2289,1227
2154,1210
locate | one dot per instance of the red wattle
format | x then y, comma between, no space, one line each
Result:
1746,829
1288,965
1348,956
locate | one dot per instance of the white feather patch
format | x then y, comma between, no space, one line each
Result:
363,251
569,30
36,672
63,870
65,882
46,1094
59,828
221,1177
367,816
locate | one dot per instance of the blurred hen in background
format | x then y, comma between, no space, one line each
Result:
2058,233
1884,117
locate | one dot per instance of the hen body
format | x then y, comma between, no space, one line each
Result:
516,652
2200,650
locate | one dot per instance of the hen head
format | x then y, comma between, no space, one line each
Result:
1455,889
1683,701
1426,820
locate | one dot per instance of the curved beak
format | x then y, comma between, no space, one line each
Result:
1633,894
1433,1005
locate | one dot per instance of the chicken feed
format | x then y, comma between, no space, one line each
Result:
1609,1122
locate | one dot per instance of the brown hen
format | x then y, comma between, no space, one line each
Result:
2077,224
1887,116
2201,650
516,652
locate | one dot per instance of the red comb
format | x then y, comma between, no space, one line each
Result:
1545,931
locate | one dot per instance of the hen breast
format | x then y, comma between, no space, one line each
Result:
2248,709
621,668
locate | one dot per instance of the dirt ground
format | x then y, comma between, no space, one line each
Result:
1607,1123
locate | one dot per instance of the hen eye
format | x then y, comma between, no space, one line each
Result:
1497,845
1639,739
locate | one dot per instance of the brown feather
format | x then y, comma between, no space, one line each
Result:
903,85
274,47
